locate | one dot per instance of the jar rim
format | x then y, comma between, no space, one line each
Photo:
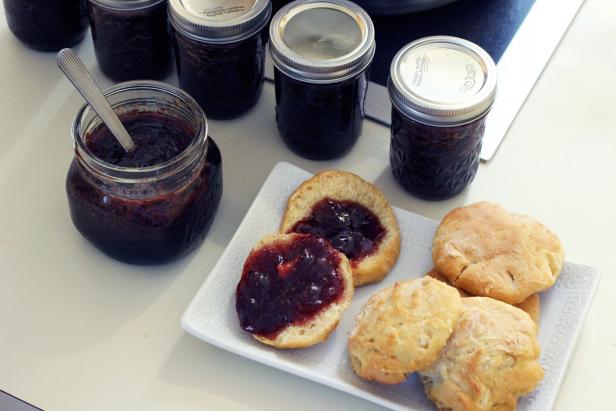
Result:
225,31
443,80
141,174
126,4
305,67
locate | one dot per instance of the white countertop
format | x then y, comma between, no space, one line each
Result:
71,341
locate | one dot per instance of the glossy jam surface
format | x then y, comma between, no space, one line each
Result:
287,284
320,121
225,79
47,25
434,163
131,44
158,138
165,222
350,227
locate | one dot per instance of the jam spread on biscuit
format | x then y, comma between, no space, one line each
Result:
287,283
350,227
158,138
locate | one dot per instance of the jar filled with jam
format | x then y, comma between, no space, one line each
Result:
47,25
130,38
441,89
156,202
322,51
220,52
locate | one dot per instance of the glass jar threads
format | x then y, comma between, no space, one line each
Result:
441,89
46,25
130,38
220,52
322,51
155,203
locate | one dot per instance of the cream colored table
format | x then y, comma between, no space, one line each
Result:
94,338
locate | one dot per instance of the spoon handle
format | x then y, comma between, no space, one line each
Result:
73,68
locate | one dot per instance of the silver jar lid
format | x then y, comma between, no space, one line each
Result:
443,80
127,4
322,41
219,21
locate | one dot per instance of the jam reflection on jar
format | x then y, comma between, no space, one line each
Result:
157,202
130,38
441,88
320,121
322,53
46,25
434,163
220,54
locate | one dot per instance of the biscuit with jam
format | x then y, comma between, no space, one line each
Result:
293,290
353,215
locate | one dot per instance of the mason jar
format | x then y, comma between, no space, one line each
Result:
322,51
47,25
157,202
130,38
220,52
442,88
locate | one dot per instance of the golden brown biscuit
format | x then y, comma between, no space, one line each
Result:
402,329
438,276
532,305
317,329
487,251
489,362
344,186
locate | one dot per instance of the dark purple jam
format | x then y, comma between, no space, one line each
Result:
47,25
287,284
131,44
434,163
348,226
320,121
225,79
158,227
157,138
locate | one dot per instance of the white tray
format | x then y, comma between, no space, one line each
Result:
211,315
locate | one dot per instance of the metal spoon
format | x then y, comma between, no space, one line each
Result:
71,65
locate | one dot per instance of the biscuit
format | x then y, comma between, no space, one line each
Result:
532,305
308,333
402,329
489,362
489,252
344,186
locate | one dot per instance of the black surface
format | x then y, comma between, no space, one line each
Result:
490,23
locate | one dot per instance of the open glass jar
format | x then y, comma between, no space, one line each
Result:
441,89
220,52
157,212
322,51
130,38
46,25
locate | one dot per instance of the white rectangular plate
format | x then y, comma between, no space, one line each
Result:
211,315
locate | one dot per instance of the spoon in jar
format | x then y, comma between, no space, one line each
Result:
73,68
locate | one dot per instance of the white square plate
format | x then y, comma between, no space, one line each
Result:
211,315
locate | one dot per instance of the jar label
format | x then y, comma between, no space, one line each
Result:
221,10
